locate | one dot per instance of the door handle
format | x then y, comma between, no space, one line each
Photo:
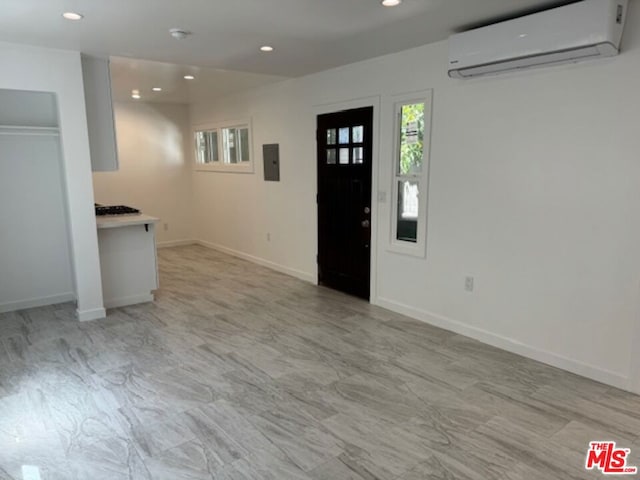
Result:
365,224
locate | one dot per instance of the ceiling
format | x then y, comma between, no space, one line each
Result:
308,35
128,74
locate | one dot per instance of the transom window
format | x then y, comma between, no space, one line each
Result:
224,147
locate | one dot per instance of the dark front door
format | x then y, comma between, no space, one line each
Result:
345,142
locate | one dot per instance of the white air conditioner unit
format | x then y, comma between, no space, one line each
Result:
579,31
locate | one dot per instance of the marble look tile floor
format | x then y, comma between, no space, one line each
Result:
241,373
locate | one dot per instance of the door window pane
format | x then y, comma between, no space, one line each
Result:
411,139
331,156
344,156
358,134
408,194
358,155
331,136
344,135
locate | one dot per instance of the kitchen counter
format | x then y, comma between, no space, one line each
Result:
128,260
116,221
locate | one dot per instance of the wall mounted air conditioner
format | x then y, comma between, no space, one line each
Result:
580,31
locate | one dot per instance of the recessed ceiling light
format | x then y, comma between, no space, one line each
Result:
135,94
391,3
156,89
189,77
266,48
72,16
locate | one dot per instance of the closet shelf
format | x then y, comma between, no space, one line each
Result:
28,130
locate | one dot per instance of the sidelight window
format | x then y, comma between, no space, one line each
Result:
411,151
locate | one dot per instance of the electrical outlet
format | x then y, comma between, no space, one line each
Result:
468,284
166,227
268,237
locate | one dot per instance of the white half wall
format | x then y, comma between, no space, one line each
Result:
154,173
533,191
44,70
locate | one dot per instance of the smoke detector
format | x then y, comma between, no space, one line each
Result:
179,33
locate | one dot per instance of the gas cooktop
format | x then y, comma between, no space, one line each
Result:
115,210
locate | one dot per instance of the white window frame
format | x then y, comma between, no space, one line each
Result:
418,248
220,166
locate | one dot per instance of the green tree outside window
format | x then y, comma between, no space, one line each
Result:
412,139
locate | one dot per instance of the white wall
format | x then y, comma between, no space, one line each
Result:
38,69
237,211
533,191
154,174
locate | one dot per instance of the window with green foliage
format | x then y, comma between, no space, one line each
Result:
412,132
412,139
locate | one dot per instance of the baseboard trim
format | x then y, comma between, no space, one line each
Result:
131,300
37,302
90,315
579,368
307,277
175,243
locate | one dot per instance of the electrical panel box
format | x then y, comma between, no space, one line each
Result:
271,157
